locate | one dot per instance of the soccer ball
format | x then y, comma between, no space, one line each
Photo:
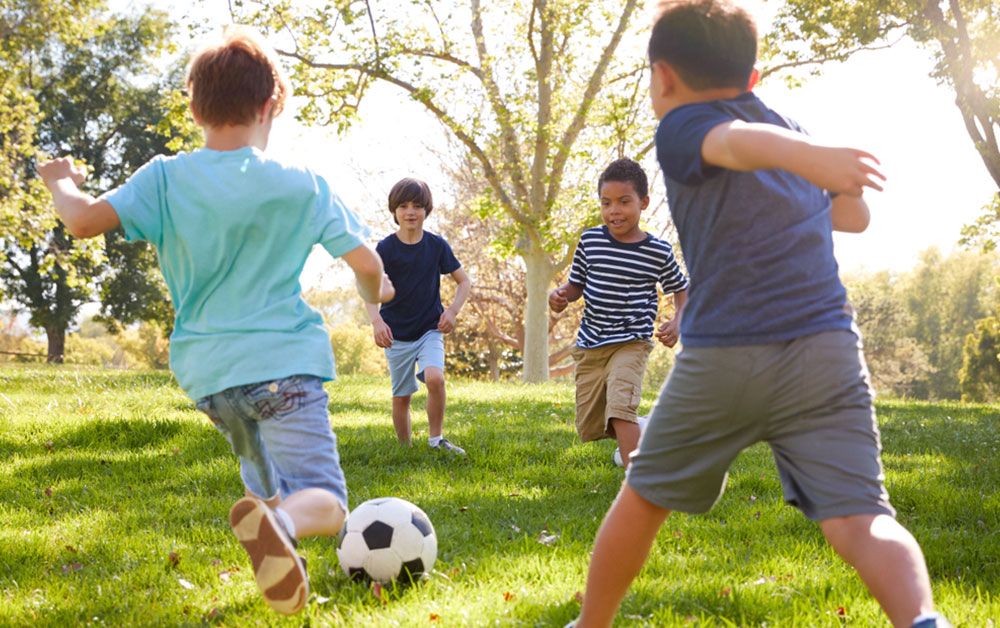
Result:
385,539
643,420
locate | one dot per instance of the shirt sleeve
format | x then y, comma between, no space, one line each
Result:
448,263
578,271
340,229
672,279
679,139
139,203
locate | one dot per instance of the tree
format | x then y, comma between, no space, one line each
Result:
962,35
945,297
95,100
539,93
895,360
980,374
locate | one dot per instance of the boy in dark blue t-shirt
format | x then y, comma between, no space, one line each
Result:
770,349
410,327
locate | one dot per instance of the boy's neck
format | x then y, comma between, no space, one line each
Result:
636,235
688,96
410,236
234,137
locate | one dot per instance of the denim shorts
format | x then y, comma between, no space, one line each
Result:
428,350
280,430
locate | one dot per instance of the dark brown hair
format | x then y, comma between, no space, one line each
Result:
625,171
230,79
709,43
410,190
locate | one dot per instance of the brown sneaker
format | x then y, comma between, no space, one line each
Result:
279,572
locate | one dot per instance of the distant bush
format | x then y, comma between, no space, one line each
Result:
354,350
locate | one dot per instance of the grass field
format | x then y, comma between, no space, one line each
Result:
114,493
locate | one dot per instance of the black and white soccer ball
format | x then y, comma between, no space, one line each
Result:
386,539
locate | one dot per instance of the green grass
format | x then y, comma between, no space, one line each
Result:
114,493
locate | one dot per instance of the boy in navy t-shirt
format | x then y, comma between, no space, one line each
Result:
410,326
770,349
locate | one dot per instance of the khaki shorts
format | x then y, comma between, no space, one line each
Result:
810,399
608,386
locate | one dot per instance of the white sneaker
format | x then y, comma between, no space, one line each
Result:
445,445
617,457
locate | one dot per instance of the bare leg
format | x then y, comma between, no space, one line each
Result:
627,434
889,561
314,511
434,379
401,418
620,551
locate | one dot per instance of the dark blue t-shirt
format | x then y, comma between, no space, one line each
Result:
415,271
758,245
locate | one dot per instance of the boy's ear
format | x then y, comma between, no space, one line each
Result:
666,77
266,109
754,77
193,114
644,203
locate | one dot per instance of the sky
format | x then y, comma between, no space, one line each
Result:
880,101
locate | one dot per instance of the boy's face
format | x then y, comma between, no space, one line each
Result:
620,209
410,215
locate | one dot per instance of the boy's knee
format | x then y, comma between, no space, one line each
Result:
434,378
841,532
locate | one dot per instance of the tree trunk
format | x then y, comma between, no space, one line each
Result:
494,361
56,335
538,276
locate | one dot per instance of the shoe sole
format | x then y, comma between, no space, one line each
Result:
277,568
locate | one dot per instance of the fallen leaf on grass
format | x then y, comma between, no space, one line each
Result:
435,617
48,492
377,592
184,583
173,559
764,580
224,576
216,562
507,596
72,567
212,614
725,592
547,539
578,597
322,600
463,509
71,548
841,611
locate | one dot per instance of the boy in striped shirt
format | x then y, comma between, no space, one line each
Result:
615,268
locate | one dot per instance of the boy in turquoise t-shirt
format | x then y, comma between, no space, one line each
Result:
232,229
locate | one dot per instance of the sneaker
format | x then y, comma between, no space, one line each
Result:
278,570
571,624
445,445
937,621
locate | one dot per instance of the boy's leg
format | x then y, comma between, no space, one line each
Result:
627,434
434,379
620,550
889,561
401,418
314,512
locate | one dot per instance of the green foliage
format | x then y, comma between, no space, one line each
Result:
896,361
355,351
980,375
115,492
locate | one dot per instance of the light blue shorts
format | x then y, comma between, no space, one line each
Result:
428,350
280,430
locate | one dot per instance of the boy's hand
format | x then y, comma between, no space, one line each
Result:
846,170
558,300
61,168
382,333
447,321
669,332
387,292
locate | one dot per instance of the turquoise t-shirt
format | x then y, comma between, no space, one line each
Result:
233,230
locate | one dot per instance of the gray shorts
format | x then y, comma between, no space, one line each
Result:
810,399
403,356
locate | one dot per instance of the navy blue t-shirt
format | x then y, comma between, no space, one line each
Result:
758,245
415,271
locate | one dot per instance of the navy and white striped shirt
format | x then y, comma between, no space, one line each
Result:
619,286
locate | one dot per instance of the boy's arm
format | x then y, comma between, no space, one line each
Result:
447,321
562,296
373,284
83,215
380,329
849,213
739,145
670,331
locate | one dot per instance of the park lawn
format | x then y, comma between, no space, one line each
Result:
114,493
